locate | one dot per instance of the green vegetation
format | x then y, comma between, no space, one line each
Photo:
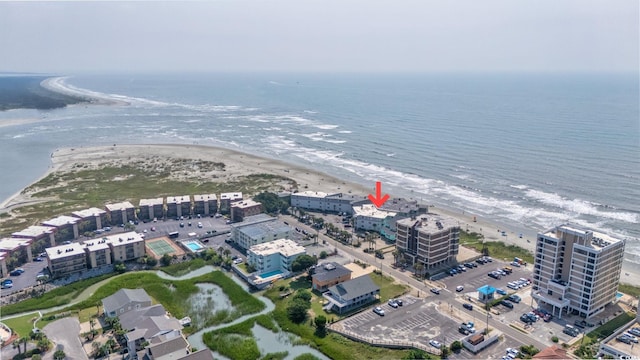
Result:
184,267
271,203
331,344
303,262
56,297
555,339
496,249
529,350
389,289
607,329
306,356
629,289
276,356
87,186
21,325
236,342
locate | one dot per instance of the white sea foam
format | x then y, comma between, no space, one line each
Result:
345,131
325,126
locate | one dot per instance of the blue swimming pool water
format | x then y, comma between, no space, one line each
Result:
194,246
619,295
270,273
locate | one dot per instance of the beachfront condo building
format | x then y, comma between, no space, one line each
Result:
226,199
576,269
277,255
66,227
66,260
120,213
258,229
205,204
369,218
320,201
150,209
42,236
90,219
98,253
244,208
125,246
431,240
13,252
178,206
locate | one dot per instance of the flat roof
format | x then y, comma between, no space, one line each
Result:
309,193
231,196
178,199
599,240
259,229
34,231
430,223
122,238
95,244
151,202
205,197
401,205
629,349
61,221
62,251
370,210
285,247
245,204
88,212
11,244
119,206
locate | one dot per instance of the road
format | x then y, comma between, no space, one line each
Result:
422,287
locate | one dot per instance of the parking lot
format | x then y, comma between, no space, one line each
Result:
416,321
27,278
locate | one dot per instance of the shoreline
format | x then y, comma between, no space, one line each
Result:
239,163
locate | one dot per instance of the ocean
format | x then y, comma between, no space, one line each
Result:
530,151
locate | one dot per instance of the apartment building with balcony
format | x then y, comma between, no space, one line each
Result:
244,208
321,201
226,199
178,206
41,236
90,219
205,204
258,229
65,260
66,227
431,239
98,253
125,246
576,269
15,251
369,218
275,255
150,209
120,213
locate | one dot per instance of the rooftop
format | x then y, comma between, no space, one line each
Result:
95,244
285,247
123,238
430,223
123,297
231,196
253,219
370,210
598,240
119,206
315,194
205,197
402,205
61,221
262,228
329,270
353,288
245,204
178,199
33,231
62,251
486,289
169,349
88,212
151,202
11,244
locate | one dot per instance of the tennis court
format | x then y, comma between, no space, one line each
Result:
160,246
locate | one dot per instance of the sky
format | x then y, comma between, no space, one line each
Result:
320,36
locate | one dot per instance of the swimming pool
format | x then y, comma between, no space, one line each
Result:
270,274
619,295
194,245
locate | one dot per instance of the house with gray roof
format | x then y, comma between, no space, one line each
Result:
329,274
170,349
152,329
351,294
125,300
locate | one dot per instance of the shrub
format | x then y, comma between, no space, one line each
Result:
554,339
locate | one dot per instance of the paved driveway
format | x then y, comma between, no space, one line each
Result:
65,335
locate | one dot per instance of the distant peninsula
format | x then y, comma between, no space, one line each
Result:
26,92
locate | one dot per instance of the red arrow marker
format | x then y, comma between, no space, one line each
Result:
377,200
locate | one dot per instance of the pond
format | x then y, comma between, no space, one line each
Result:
208,303
270,342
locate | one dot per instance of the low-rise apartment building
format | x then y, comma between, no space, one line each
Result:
244,208
90,219
432,240
125,246
226,199
178,206
150,209
66,227
321,201
205,204
577,269
275,255
120,213
41,236
65,260
369,218
258,229
98,253
14,251
329,274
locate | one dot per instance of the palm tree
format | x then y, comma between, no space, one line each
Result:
227,252
24,340
396,256
220,250
418,267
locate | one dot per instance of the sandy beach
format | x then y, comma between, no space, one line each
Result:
238,164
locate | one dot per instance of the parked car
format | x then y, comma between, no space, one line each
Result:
525,319
459,288
467,306
435,344
38,259
635,331
501,292
398,301
514,298
392,303
507,304
378,310
15,273
435,291
6,284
